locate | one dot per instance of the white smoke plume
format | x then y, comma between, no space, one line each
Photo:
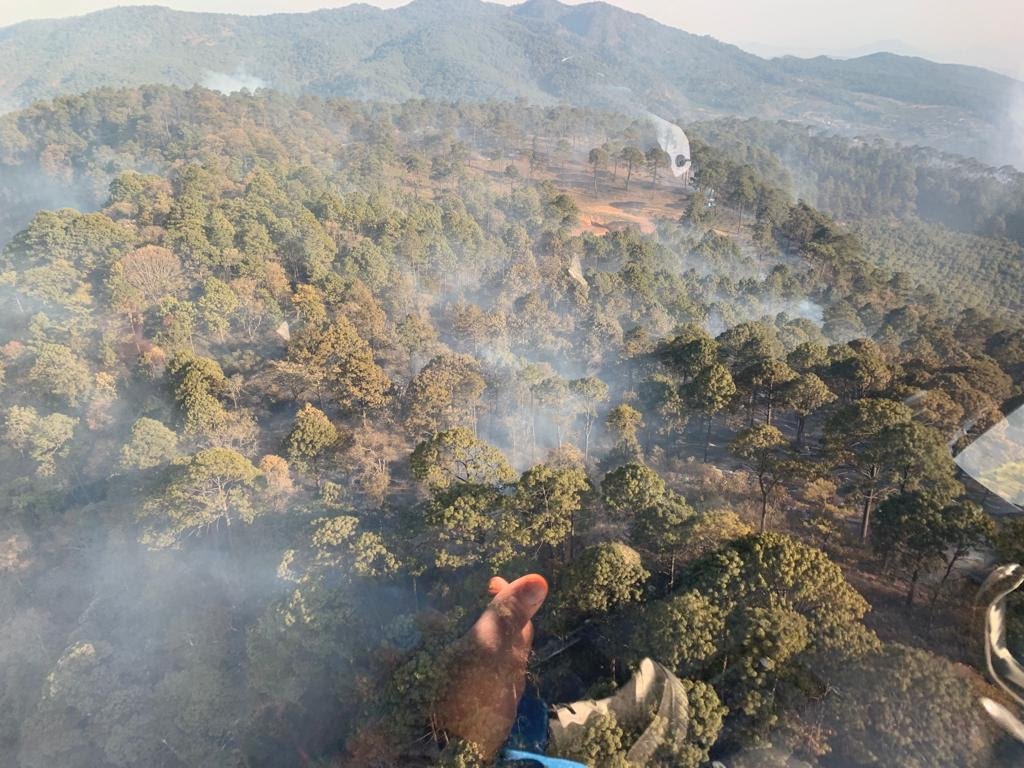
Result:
674,142
232,83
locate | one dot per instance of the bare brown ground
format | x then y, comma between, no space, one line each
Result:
601,218
610,207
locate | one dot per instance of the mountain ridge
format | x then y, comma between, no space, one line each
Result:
593,54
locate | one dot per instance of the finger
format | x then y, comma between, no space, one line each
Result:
526,637
516,604
495,585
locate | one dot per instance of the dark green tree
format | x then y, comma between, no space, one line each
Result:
805,395
61,374
904,706
684,632
908,532
604,578
44,439
445,393
624,421
150,445
457,456
631,488
312,434
710,391
857,437
657,159
633,158
661,532
762,448
548,502
212,488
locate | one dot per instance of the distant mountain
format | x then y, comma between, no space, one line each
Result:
809,50
593,54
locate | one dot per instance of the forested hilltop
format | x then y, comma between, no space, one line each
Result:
312,372
541,50
951,223
954,226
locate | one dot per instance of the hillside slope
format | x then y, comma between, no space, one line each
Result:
592,54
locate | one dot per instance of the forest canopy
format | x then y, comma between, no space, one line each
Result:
296,378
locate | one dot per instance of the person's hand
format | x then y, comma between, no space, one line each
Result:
489,674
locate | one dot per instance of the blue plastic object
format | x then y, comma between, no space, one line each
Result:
528,739
530,731
515,755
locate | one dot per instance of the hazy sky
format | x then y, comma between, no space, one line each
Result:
983,32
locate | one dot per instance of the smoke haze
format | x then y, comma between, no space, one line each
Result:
232,83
